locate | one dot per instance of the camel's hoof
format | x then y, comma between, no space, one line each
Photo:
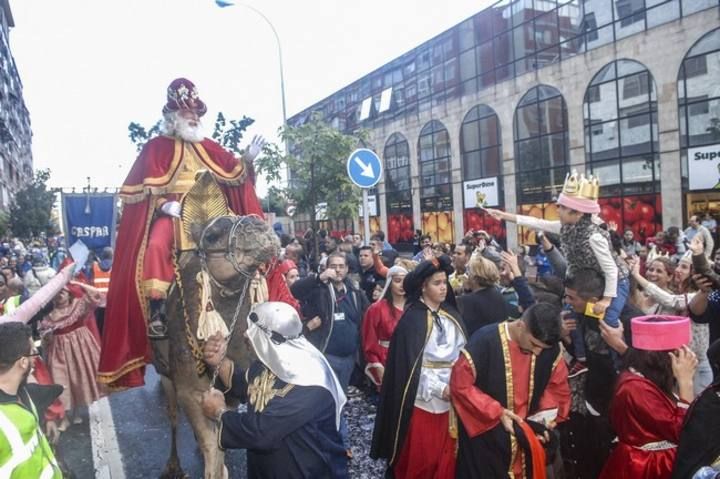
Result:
173,471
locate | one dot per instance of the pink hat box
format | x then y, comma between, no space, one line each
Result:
660,332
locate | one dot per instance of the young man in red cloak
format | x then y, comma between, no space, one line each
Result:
509,385
143,268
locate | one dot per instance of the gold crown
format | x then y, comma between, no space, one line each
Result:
580,187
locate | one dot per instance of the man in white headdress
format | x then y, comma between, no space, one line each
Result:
294,400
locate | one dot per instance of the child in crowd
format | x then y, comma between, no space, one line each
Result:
584,244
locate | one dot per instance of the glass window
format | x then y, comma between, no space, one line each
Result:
467,65
479,141
698,94
434,153
466,35
541,143
485,57
621,127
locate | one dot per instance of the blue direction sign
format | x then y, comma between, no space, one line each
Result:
364,168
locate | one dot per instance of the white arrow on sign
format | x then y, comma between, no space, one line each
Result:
367,170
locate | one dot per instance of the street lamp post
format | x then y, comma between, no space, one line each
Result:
282,79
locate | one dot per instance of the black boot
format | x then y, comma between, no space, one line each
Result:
157,329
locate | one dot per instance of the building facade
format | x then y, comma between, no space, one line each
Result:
16,164
498,109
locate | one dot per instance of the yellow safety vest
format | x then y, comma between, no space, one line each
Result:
24,451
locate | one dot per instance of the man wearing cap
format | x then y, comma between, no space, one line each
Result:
294,400
414,427
151,193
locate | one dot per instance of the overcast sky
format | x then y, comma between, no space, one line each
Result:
91,67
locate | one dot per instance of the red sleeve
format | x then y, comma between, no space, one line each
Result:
478,412
369,333
649,407
557,392
380,267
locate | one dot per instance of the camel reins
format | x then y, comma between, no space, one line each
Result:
229,253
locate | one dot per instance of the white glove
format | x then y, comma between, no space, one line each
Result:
171,208
254,148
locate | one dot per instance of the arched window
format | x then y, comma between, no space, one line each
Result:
480,143
398,193
435,181
621,144
480,147
699,112
434,159
541,145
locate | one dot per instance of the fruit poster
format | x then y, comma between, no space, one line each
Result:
439,225
400,228
546,211
476,220
641,213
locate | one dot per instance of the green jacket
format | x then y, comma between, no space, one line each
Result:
24,450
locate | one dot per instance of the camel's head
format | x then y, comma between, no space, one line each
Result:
236,246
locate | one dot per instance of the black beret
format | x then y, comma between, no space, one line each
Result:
412,284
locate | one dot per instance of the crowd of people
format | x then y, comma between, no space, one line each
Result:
595,356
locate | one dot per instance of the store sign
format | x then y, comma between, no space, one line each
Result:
372,206
321,212
704,168
481,192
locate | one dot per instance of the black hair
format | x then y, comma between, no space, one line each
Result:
656,366
365,248
285,239
587,282
544,322
469,245
424,237
378,235
14,344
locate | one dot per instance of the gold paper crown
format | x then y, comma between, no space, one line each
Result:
580,187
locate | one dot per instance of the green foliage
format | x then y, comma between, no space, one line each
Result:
317,166
30,214
230,136
4,223
139,135
228,133
276,203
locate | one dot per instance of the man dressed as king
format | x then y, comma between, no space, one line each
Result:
143,269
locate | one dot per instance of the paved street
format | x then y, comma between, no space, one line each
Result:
133,440
128,436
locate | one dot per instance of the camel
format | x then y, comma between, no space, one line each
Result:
232,248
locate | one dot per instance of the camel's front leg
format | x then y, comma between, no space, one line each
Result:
206,434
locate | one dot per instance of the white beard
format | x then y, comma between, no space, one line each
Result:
188,132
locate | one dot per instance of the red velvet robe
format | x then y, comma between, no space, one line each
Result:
641,414
379,323
125,347
480,412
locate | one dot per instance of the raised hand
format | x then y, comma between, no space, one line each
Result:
254,148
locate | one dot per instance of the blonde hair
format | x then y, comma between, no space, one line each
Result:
406,263
482,272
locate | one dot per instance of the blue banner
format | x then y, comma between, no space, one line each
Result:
90,218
